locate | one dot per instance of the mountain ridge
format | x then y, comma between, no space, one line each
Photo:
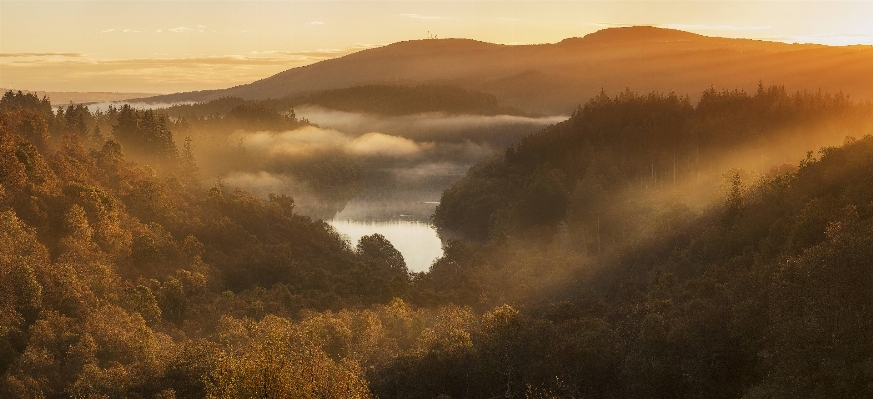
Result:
556,77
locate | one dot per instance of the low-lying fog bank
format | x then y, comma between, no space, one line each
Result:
498,130
406,161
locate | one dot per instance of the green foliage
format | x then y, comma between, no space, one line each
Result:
145,133
377,250
140,299
120,280
273,359
636,145
108,266
22,261
406,100
18,100
763,295
374,99
189,171
31,126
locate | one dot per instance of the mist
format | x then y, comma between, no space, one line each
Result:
405,161
102,106
311,141
498,129
405,164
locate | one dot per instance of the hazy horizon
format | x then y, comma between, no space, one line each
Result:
168,47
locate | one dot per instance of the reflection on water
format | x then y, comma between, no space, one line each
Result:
399,193
417,241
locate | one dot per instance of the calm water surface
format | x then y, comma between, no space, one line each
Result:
417,241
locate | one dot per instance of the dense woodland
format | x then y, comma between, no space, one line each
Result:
611,255
616,155
383,99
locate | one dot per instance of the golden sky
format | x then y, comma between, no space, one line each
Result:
171,46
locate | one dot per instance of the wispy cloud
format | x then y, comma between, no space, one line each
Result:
687,27
180,29
157,73
831,39
316,54
311,140
693,27
419,16
153,75
194,62
16,55
609,25
316,23
113,30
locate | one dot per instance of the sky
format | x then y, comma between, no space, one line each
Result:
172,46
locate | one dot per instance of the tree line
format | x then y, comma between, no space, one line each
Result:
125,280
378,99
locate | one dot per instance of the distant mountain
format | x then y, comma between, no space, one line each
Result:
554,78
65,97
373,99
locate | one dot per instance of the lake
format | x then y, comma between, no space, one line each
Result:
400,192
416,240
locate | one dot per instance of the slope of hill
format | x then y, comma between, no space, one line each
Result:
765,295
128,281
554,78
587,169
372,99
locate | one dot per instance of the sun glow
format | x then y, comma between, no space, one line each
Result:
148,46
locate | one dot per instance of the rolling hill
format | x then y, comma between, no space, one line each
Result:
555,78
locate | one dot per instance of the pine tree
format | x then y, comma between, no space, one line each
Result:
190,172
126,129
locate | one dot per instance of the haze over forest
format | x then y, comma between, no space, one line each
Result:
640,212
555,78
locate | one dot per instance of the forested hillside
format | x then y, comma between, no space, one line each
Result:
648,247
554,78
114,272
764,295
616,151
636,269
374,99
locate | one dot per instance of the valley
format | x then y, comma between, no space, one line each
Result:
637,213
